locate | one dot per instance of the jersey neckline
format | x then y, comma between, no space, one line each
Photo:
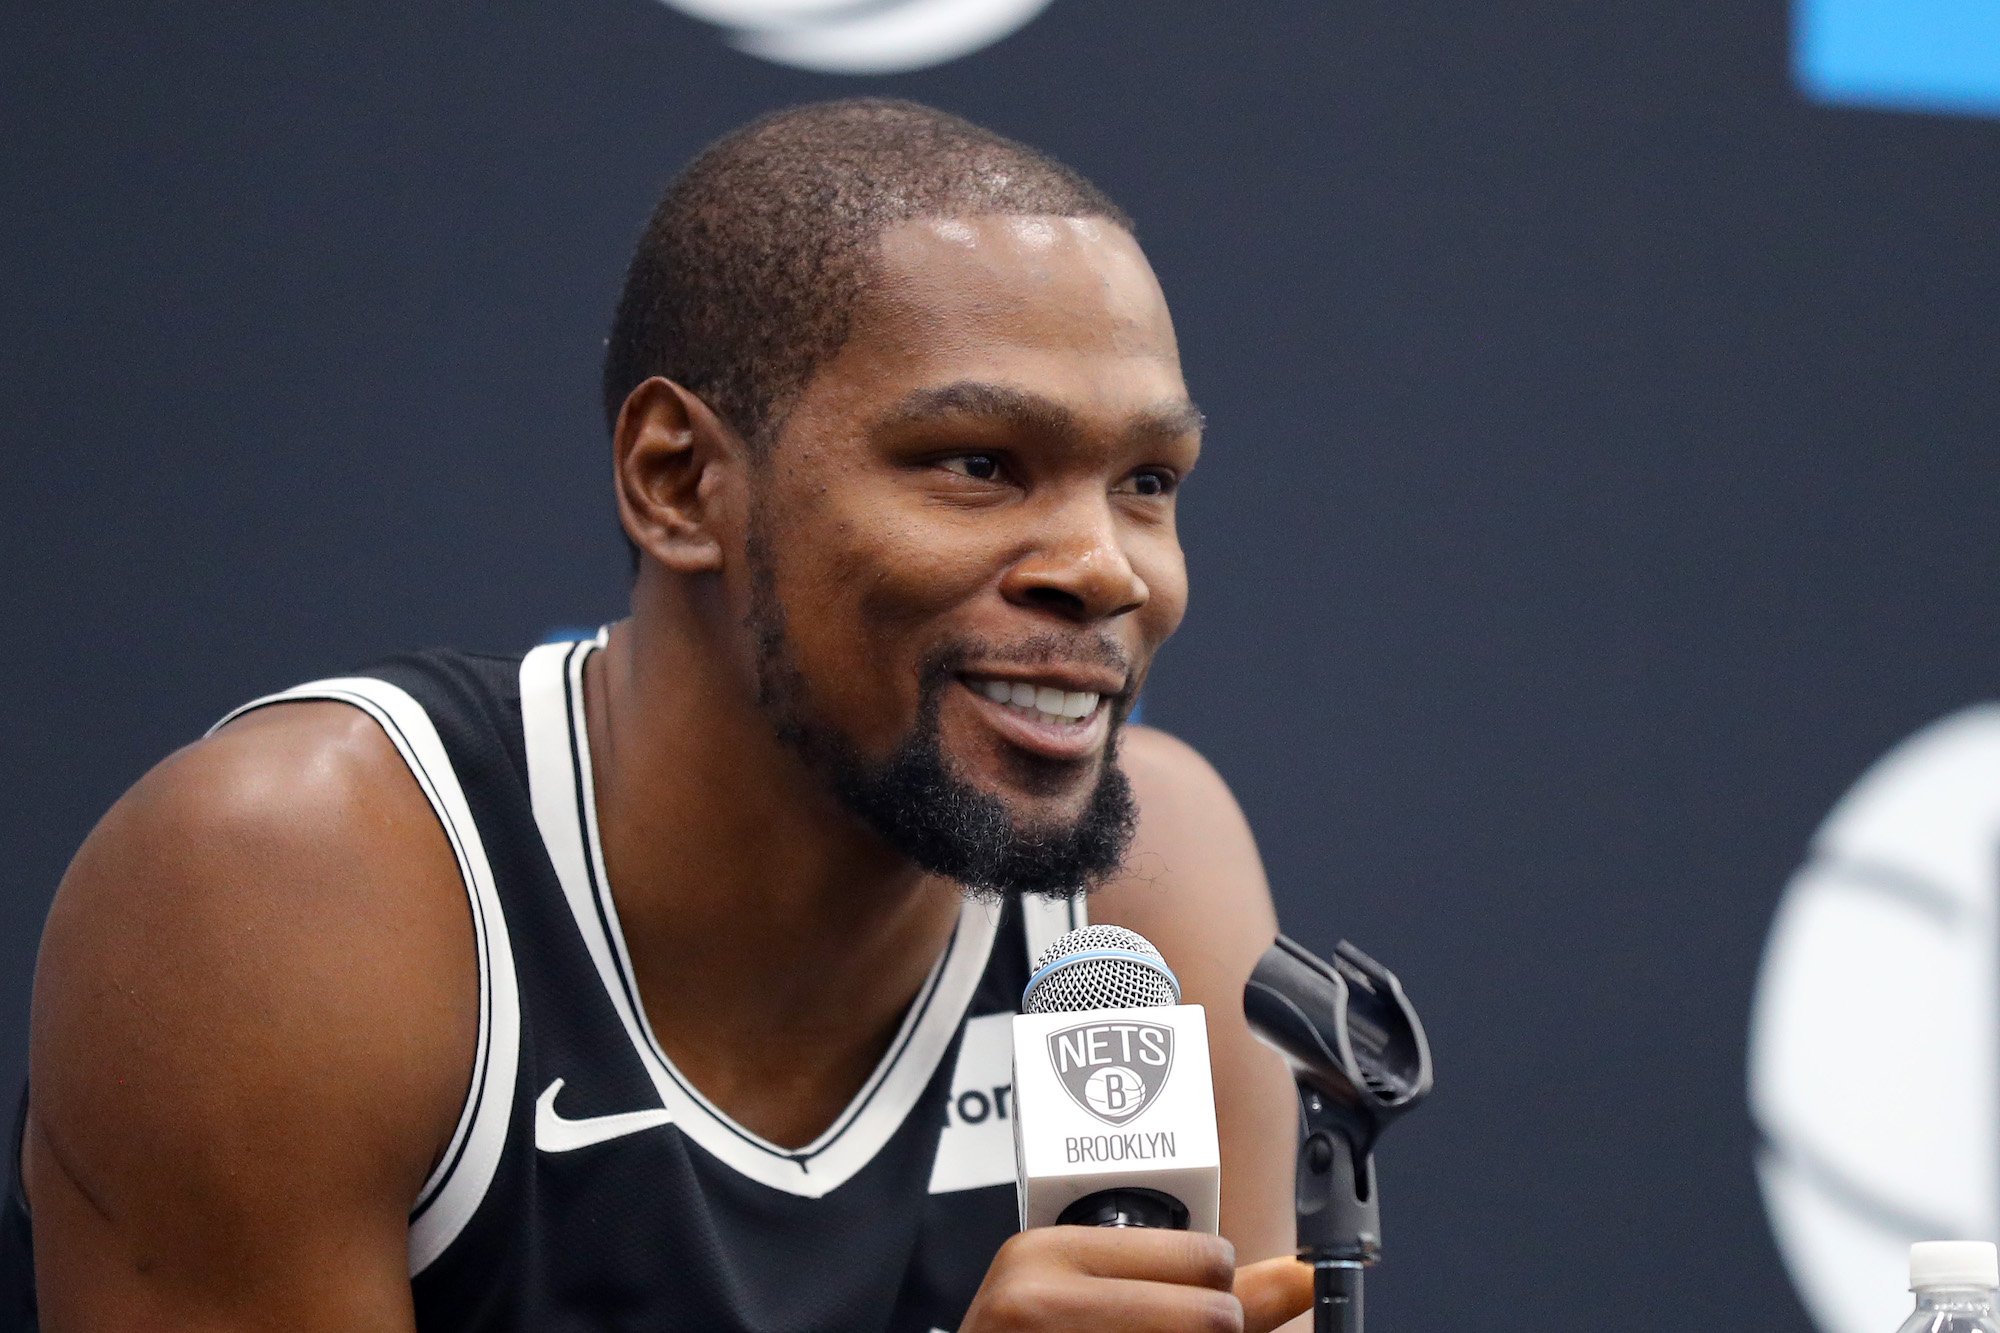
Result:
564,799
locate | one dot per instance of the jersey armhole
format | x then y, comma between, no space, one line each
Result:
465,1171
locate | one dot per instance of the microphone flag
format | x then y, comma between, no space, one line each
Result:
1115,1099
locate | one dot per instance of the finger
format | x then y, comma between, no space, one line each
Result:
1184,1258
1124,1305
1273,1291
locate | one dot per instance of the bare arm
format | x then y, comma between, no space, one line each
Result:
254,1016
1195,886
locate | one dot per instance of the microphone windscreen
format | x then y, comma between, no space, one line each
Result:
1100,967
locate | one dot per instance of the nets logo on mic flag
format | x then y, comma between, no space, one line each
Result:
1115,1099
1114,1070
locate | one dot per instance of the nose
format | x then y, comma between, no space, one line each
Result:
1078,567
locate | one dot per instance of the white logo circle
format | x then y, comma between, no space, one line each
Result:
1875,1034
1114,1092
863,36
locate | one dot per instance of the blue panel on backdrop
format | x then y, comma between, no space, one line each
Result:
1913,55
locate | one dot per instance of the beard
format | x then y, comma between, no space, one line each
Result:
915,800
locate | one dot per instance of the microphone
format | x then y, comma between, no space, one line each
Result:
1114,1109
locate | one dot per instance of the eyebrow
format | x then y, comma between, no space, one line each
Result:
1023,408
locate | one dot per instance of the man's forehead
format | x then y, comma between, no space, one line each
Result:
1064,310
1002,233
991,268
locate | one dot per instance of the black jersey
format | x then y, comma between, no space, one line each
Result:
589,1186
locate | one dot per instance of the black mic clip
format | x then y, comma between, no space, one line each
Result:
1358,1053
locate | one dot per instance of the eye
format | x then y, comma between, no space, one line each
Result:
1150,481
979,467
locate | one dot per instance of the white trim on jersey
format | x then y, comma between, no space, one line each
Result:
460,1181
1045,920
976,1149
565,807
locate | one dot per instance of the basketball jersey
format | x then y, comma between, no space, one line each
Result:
589,1185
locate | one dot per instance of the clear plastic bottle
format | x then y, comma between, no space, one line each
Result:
1954,1281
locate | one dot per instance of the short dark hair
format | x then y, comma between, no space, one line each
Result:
746,276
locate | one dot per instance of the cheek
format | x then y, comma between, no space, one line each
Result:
882,574
862,602
1164,570
915,571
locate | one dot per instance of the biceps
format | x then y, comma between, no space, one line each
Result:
190,1266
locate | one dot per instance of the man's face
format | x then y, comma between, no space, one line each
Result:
963,554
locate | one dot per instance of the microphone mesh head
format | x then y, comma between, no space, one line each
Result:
1100,967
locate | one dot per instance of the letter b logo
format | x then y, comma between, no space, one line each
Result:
1113,1070
1114,1093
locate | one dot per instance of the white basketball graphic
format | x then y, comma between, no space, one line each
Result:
863,36
1115,1092
1875,1034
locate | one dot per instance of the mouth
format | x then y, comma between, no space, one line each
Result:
1043,716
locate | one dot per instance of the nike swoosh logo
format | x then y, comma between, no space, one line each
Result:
554,1133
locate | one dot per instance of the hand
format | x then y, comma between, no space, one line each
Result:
1132,1280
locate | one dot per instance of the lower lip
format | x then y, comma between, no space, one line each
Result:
1051,740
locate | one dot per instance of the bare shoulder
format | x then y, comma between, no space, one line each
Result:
1193,878
254,1011
1194,885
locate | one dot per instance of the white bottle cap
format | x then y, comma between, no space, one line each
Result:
1953,1263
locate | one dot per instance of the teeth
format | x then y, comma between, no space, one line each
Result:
1046,702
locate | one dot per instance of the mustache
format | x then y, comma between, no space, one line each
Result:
1045,649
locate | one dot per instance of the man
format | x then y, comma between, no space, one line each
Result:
630,984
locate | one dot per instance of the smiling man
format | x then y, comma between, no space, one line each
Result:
640,982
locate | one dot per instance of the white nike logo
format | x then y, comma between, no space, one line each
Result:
554,1133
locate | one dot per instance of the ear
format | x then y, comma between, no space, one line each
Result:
677,465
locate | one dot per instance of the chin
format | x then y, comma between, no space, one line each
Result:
1038,790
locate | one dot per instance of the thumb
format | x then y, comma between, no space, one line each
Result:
1273,1292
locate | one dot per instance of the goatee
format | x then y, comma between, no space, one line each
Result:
916,802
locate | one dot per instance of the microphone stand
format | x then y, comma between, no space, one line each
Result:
1336,1296
1360,1059
1339,1216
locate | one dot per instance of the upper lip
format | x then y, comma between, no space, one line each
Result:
1069,679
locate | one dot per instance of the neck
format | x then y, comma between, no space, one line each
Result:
776,941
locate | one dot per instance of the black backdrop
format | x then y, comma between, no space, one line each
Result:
1601,476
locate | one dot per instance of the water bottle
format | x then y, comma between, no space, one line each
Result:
1954,1281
